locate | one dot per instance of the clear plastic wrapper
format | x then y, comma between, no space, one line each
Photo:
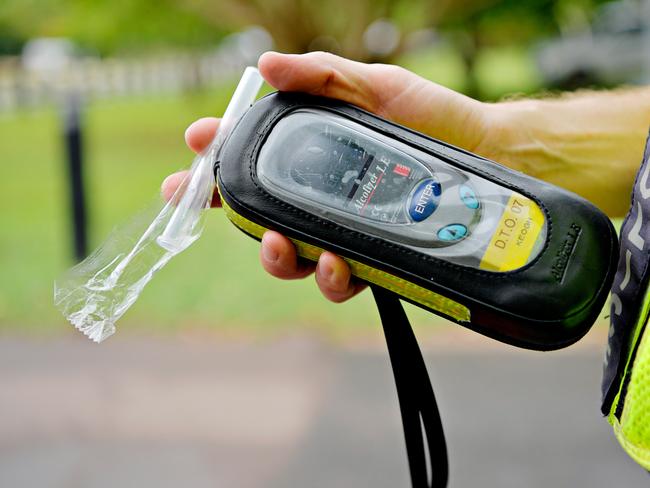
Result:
94,294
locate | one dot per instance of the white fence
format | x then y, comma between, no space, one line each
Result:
94,78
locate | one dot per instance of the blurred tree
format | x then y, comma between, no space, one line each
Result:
296,25
303,25
472,25
339,26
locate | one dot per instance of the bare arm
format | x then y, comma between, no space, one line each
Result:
590,143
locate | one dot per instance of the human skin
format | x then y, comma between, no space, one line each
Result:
590,143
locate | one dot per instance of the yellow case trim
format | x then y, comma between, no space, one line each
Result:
416,293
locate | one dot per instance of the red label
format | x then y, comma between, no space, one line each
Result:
402,170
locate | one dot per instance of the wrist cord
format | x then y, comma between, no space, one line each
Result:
420,415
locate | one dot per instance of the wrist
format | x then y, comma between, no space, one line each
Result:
514,135
588,143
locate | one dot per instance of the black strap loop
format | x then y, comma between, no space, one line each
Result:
420,415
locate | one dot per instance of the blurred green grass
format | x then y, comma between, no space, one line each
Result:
131,145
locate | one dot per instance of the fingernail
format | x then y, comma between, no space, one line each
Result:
166,181
270,254
335,277
326,271
166,189
188,130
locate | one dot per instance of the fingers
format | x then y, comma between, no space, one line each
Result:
200,133
335,280
197,136
174,181
171,184
279,258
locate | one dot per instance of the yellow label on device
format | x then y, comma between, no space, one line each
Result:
514,239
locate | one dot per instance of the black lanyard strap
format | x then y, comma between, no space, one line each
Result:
417,402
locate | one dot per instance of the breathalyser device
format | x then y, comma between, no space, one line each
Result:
499,252
495,250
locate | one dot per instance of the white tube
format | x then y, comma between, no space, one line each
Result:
178,232
244,96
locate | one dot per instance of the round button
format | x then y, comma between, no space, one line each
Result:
452,232
468,196
424,199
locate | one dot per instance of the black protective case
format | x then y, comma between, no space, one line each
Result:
547,304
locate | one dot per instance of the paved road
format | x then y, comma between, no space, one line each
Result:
295,412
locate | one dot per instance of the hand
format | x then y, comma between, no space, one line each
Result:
389,91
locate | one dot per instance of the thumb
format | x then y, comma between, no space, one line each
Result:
389,91
321,73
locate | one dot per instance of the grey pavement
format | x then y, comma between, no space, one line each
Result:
294,412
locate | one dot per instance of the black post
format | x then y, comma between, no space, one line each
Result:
74,155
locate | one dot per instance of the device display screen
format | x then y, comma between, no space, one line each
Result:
370,182
362,179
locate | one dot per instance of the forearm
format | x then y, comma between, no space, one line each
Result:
590,143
